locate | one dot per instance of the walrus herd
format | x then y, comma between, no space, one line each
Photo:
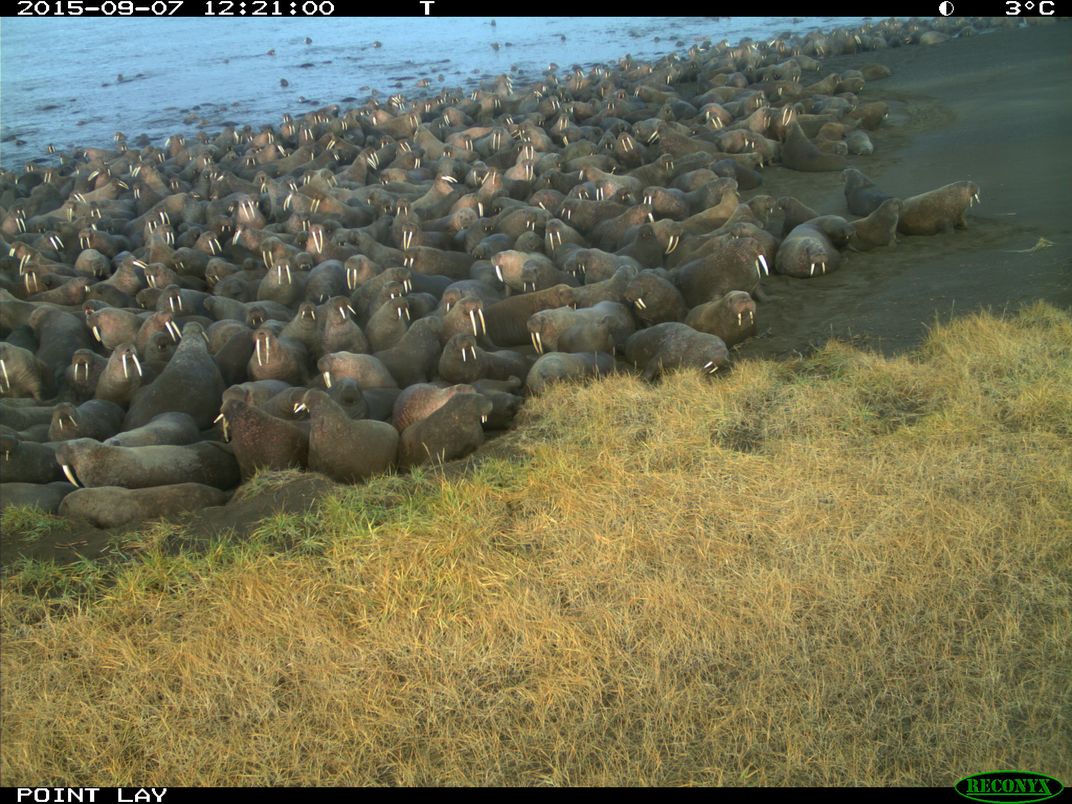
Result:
369,288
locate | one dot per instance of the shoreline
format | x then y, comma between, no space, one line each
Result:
956,113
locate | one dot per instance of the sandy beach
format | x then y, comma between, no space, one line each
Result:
957,111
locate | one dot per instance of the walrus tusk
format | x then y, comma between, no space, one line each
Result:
472,350
763,262
96,334
70,475
327,379
812,270
257,349
472,320
484,419
173,330
640,304
740,319
3,368
137,365
483,324
498,273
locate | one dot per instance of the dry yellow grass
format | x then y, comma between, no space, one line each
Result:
846,570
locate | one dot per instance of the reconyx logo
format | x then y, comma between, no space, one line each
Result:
1004,786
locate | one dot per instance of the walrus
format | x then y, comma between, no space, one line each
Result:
388,324
23,374
611,289
18,416
861,195
507,320
415,356
421,400
800,153
46,497
97,419
83,374
276,358
338,332
112,327
731,264
452,431
463,361
557,366
877,229
368,371
96,464
262,441
27,461
112,506
547,326
938,210
675,345
795,212
190,382
344,449
172,427
807,251
731,317
306,327
655,298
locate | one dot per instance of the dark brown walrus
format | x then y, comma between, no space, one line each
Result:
191,383
263,441
345,449
675,345
112,506
452,431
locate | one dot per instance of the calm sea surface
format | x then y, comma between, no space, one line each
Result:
59,77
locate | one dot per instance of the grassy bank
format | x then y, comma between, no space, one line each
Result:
843,570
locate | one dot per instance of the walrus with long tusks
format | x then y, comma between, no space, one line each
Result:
90,463
672,345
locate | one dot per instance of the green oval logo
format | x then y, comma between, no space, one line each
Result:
999,787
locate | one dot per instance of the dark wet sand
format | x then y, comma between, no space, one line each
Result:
991,108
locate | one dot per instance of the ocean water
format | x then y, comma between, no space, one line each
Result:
60,77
